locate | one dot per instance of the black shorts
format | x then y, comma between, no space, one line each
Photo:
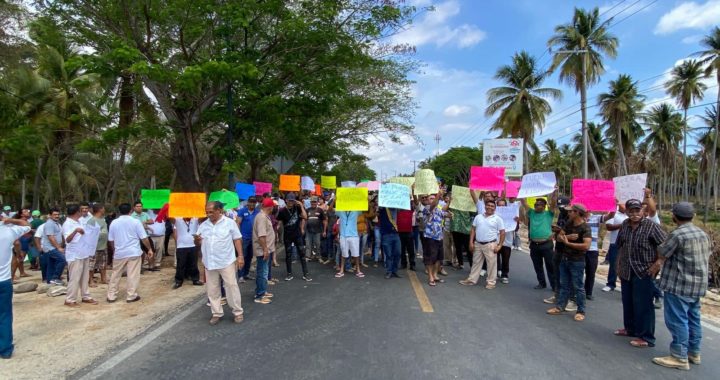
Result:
432,251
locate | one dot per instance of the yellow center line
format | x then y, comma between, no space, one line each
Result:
422,297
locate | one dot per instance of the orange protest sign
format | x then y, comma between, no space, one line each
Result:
318,190
289,182
187,205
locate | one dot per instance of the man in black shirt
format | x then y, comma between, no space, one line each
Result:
293,219
315,229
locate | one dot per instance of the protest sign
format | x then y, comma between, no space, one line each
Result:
229,198
348,184
351,199
154,199
482,178
508,214
318,189
243,190
289,182
88,241
630,187
328,182
426,182
407,181
461,199
187,205
531,202
394,195
262,188
512,188
595,195
536,184
307,183
504,153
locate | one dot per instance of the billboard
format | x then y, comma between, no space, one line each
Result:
506,153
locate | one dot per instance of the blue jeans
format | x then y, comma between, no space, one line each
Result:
44,258
376,246
247,248
261,278
682,318
391,250
56,264
612,270
571,275
638,307
270,261
416,237
6,319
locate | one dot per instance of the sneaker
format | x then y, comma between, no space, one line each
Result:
552,300
263,300
483,272
672,362
214,321
571,306
505,280
289,277
607,289
658,304
694,358
307,277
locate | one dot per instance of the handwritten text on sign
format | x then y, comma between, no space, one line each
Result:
394,195
596,195
426,182
482,178
461,199
352,199
630,187
536,184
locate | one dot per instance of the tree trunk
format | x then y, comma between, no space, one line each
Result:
622,167
36,184
713,155
185,160
685,168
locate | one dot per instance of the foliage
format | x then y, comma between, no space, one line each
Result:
453,166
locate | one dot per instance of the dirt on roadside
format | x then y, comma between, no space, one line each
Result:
53,340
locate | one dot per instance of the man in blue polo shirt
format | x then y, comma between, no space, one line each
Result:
246,218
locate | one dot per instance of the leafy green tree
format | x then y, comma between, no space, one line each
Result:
453,166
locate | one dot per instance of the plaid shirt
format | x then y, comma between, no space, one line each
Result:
686,251
638,247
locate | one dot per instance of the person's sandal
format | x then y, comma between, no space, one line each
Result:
621,332
579,317
432,283
555,311
339,275
359,274
639,343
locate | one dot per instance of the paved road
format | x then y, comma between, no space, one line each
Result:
374,328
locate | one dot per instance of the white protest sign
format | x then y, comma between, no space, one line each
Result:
394,195
508,214
307,183
537,184
348,184
630,187
88,241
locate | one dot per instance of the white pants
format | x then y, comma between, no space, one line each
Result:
350,246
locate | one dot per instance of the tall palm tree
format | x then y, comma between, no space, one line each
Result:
598,144
711,58
586,32
665,126
619,108
686,87
521,102
709,141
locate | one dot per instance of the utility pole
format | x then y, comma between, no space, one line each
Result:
414,163
437,143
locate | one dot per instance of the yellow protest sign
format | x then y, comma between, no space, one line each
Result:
289,182
461,199
187,205
426,182
328,182
352,199
407,181
531,201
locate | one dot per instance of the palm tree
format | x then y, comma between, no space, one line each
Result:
619,108
708,140
521,102
598,144
686,87
665,126
581,46
711,57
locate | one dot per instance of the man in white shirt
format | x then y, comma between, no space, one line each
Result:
78,259
186,251
157,236
85,214
219,238
10,231
124,236
613,225
487,237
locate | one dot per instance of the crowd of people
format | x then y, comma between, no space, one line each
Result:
562,237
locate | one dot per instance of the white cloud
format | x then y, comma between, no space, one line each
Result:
692,40
456,110
455,127
434,27
689,15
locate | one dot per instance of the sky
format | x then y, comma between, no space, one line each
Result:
462,43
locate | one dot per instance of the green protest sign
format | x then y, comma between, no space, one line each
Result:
229,198
154,199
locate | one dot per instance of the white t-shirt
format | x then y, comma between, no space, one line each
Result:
218,250
39,231
655,218
8,234
126,232
86,218
72,248
617,219
157,229
509,237
185,231
487,228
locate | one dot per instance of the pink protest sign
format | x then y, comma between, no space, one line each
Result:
262,188
485,178
596,195
512,188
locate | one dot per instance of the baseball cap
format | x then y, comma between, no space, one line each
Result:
579,207
290,197
268,202
683,210
313,199
563,201
36,213
633,203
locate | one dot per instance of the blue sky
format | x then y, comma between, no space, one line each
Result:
463,42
